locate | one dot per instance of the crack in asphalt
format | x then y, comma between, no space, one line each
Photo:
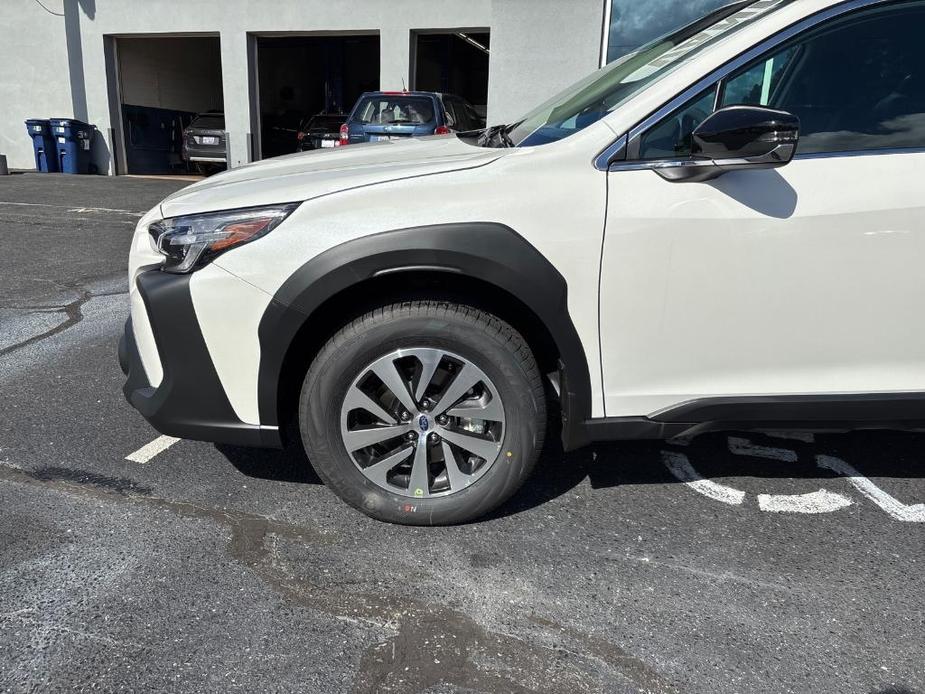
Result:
71,310
429,644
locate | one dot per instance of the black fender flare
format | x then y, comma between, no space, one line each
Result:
490,252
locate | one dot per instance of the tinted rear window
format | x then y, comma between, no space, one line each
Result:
383,110
209,122
326,122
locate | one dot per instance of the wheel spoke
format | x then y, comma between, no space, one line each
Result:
358,400
388,374
458,479
419,472
430,360
356,439
483,448
465,379
492,412
378,471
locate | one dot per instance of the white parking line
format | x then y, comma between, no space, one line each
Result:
680,467
149,450
813,502
746,447
914,513
69,208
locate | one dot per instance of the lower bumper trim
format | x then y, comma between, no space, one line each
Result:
190,402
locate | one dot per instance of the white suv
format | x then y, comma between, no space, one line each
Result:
637,243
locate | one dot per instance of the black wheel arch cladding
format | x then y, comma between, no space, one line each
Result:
492,253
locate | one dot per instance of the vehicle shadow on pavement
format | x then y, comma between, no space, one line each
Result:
288,465
881,454
878,454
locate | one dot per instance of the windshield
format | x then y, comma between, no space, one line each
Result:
331,123
606,89
209,121
383,110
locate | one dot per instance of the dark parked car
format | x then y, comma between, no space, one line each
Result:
393,115
204,141
320,131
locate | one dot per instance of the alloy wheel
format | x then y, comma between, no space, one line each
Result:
422,422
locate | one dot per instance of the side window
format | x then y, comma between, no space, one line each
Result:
671,138
757,84
856,83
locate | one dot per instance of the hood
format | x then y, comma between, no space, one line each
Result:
306,175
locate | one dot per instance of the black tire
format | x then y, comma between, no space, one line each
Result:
487,342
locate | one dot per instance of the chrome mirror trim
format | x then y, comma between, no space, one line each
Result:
698,170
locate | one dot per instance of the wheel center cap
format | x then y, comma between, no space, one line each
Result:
424,423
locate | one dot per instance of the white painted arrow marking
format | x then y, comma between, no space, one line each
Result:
680,467
914,513
813,502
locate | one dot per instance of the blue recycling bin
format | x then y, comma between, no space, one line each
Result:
73,140
43,145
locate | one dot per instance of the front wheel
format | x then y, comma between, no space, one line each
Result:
424,413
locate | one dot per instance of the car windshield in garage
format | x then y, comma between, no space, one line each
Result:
328,123
385,110
209,121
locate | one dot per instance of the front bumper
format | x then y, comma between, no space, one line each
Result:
189,402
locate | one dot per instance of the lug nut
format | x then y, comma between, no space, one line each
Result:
405,416
411,436
434,438
426,404
442,420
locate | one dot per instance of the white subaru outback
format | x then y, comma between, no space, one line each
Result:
723,229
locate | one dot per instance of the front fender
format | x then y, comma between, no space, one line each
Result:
490,252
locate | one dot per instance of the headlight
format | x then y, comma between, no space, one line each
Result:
193,241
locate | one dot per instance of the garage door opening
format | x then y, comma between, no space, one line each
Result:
453,62
304,76
163,84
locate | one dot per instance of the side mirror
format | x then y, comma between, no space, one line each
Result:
737,137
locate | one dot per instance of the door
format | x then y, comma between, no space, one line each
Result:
802,280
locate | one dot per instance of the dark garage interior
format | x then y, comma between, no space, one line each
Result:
301,76
163,83
453,63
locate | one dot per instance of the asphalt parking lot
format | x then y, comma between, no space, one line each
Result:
730,563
